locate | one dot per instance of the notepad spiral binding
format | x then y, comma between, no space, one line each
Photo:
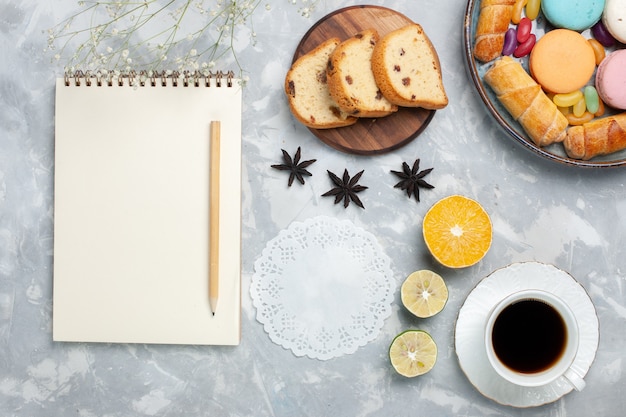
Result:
150,78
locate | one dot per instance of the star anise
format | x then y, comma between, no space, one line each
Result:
346,188
412,179
297,169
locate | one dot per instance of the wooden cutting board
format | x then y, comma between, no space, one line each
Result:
367,136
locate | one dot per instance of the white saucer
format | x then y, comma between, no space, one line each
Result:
469,331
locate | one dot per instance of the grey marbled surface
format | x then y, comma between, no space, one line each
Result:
540,210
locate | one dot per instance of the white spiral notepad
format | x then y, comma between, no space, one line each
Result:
131,220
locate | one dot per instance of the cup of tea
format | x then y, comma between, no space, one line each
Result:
531,338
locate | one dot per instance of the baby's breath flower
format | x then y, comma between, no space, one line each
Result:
202,33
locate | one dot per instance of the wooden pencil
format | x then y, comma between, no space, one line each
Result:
214,219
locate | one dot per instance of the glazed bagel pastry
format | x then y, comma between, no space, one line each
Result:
524,99
598,137
493,21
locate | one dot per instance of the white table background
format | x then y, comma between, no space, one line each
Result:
543,211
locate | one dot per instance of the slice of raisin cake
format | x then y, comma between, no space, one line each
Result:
350,79
307,91
407,69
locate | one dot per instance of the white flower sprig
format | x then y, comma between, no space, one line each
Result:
125,35
308,6
120,36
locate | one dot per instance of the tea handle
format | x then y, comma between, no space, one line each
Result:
575,379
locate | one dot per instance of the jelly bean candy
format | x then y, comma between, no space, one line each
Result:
591,99
598,50
517,11
579,108
567,99
525,48
564,110
603,36
601,108
532,9
575,121
523,29
510,42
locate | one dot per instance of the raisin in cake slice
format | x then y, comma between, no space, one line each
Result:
351,81
407,70
307,91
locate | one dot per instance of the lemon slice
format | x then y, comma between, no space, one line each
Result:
457,231
413,353
424,293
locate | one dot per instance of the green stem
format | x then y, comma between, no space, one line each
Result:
230,15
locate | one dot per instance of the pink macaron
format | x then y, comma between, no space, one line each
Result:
611,79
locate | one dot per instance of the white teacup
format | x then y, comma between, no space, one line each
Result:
531,338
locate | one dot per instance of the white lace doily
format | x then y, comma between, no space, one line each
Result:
322,288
